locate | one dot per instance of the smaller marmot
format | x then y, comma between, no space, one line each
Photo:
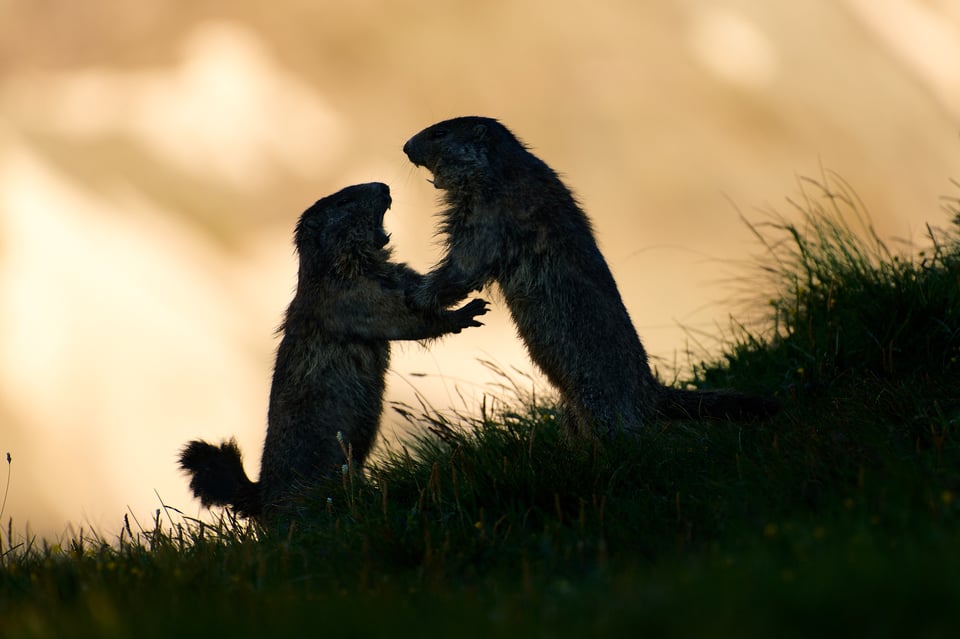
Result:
332,360
509,219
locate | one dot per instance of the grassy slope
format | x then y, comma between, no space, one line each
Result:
842,514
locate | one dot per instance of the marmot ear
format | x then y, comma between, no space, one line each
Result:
480,131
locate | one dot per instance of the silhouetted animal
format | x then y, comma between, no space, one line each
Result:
330,366
510,220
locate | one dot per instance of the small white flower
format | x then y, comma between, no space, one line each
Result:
340,436
346,469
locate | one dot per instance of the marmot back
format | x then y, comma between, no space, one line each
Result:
332,360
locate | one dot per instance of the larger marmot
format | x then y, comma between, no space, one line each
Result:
510,220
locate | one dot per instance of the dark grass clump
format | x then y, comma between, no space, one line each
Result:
844,305
864,344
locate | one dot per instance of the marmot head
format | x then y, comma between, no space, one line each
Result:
344,230
463,152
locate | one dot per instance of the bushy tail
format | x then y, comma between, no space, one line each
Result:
217,477
676,403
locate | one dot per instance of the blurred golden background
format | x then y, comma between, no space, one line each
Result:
154,156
